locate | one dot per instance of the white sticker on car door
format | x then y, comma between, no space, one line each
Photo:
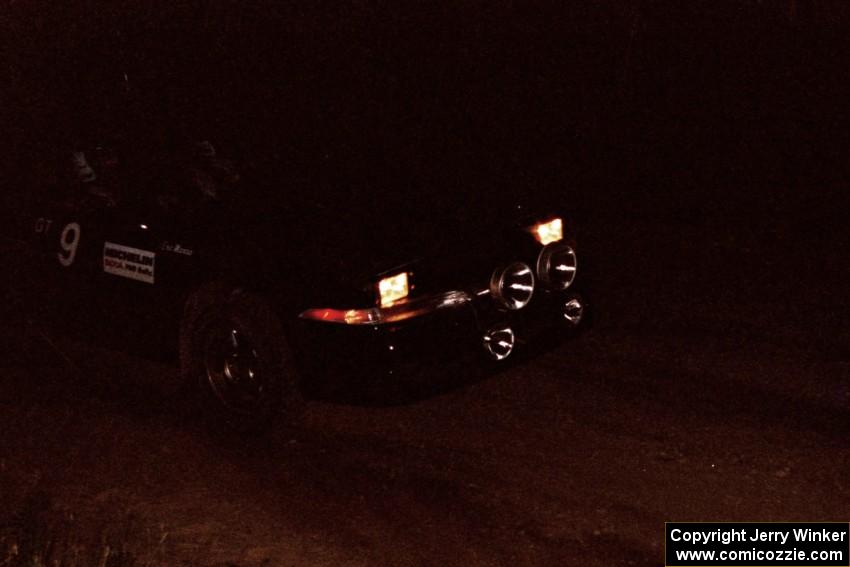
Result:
128,262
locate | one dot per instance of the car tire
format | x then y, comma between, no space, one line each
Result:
234,353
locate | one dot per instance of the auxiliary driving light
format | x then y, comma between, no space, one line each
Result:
392,289
556,266
513,286
572,310
548,232
499,342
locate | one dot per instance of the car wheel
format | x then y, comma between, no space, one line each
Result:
233,349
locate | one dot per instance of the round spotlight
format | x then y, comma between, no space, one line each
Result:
557,265
499,342
513,285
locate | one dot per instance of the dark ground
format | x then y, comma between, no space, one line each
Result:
713,386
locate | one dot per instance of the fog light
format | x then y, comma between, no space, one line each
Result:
513,286
548,232
572,310
392,289
556,266
499,342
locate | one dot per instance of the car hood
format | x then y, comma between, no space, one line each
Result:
364,211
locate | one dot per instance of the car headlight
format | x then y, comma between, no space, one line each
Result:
513,286
549,231
556,266
392,289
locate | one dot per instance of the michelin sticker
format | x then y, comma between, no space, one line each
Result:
128,262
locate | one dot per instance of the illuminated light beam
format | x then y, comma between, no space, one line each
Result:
393,288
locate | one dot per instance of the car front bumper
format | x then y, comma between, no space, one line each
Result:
436,330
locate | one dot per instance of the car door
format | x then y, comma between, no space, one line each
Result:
51,232
148,258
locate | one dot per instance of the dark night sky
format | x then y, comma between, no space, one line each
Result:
738,84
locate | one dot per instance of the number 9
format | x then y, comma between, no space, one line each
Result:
68,241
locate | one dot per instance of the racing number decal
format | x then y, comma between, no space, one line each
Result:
69,240
42,225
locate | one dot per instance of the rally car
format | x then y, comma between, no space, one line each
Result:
260,302
295,208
